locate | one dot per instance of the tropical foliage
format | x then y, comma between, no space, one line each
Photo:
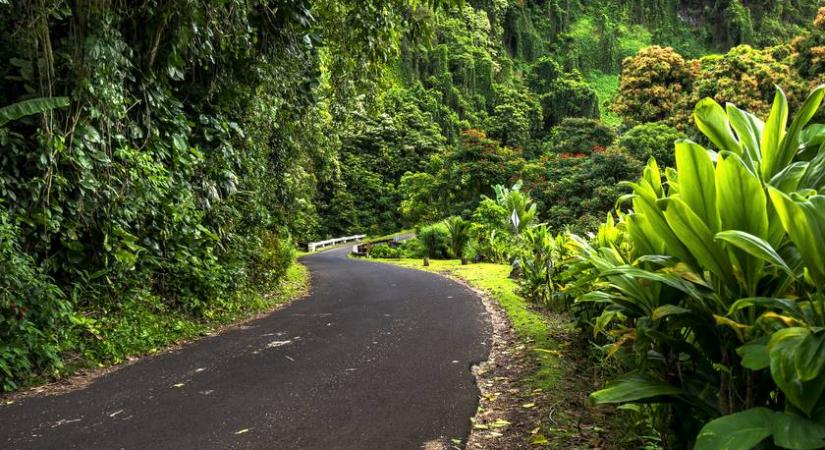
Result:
160,163
712,284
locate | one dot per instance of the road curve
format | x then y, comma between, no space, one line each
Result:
376,357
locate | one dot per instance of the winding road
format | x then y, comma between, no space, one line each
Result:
375,357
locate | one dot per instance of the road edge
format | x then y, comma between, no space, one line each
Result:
507,364
83,378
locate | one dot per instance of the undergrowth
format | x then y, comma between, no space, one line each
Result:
145,324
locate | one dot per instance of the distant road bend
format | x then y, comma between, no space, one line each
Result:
376,357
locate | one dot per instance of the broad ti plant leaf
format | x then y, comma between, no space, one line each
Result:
743,208
814,175
745,430
804,221
773,135
748,129
697,238
778,147
740,431
635,388
785,305
754,246
798,433
29,107
713,122
754,356
696,170
791,144
649,219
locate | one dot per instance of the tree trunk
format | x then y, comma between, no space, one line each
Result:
463,261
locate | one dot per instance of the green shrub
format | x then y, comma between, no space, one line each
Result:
581,136
539,257
411,248
34,314
575,191
653,84
435,240
515,118
458,230
271,260
810,50
561,94
570,97
712,287
384,251
651,140
744,76
543,74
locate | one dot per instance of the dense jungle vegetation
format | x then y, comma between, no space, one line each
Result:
634,160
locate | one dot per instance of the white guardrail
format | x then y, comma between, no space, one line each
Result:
312,246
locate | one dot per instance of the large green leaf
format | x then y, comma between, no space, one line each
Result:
746,429
810,356
814,176
805,225
784,347
635,388
785,305
659,277
797,433
653,224
696,175
791,143
740,197
755,247
713,122
754,356
812,138
643,243
748,128
696,236
741,431
773,135
788,179
28,107
669,310
743,206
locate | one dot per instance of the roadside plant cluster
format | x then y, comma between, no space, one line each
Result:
710,288
504,230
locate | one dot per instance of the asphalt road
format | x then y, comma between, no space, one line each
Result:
376,357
